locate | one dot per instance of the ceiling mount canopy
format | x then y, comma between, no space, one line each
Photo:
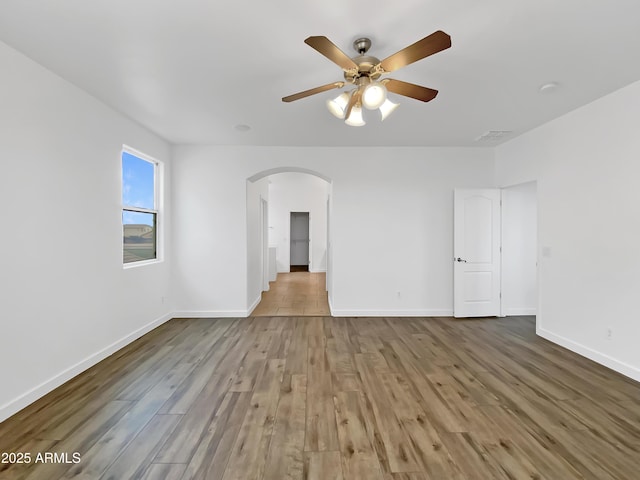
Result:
364,72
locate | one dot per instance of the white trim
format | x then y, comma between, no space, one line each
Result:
211,314
264,244
273,171
503,312
510,312
158,203
598,357
129,208
391,313
319,270
139,154
141,263
253,306
14,406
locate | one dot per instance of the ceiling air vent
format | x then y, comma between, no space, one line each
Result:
493,135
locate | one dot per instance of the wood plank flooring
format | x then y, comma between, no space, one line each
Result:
295,294
321,398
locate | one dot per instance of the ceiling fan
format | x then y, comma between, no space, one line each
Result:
364,71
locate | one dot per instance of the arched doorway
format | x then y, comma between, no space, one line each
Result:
274,197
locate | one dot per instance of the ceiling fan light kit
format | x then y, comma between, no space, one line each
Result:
364,72
338,106
374,95
355,117
387,109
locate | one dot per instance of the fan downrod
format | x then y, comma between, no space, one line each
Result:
362,45
366,63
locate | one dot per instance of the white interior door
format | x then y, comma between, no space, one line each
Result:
476,251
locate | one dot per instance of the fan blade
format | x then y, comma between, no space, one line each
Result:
313,91
353,101
326,47
434,43
423,94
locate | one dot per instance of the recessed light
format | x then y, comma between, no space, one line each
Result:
242,128
548,87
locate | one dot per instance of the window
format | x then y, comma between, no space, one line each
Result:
139,207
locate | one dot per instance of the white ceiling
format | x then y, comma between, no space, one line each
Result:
192,70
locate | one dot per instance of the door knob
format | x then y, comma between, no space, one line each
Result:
460,260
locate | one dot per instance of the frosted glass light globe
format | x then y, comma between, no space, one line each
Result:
387,108
338,105
355,118
374,95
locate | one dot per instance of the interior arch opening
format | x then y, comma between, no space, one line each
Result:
288,243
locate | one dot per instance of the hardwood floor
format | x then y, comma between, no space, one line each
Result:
295,294
333,398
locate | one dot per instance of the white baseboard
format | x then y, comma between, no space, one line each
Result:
253,306
14,406
512,312
211,314
598,357
390,313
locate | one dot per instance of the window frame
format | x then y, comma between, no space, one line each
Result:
157,211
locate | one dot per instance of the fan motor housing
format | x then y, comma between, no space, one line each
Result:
365,62
365,66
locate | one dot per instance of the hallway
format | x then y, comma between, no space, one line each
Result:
295,294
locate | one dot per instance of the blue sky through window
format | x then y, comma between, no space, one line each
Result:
137,188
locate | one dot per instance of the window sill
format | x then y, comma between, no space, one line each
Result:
142,263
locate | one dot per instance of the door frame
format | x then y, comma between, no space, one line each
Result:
264,242
503,306
492,305
308,239
503,227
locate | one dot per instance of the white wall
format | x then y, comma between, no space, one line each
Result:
519,250
256,192
66,300
210,233
587,168
298,192
392,223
